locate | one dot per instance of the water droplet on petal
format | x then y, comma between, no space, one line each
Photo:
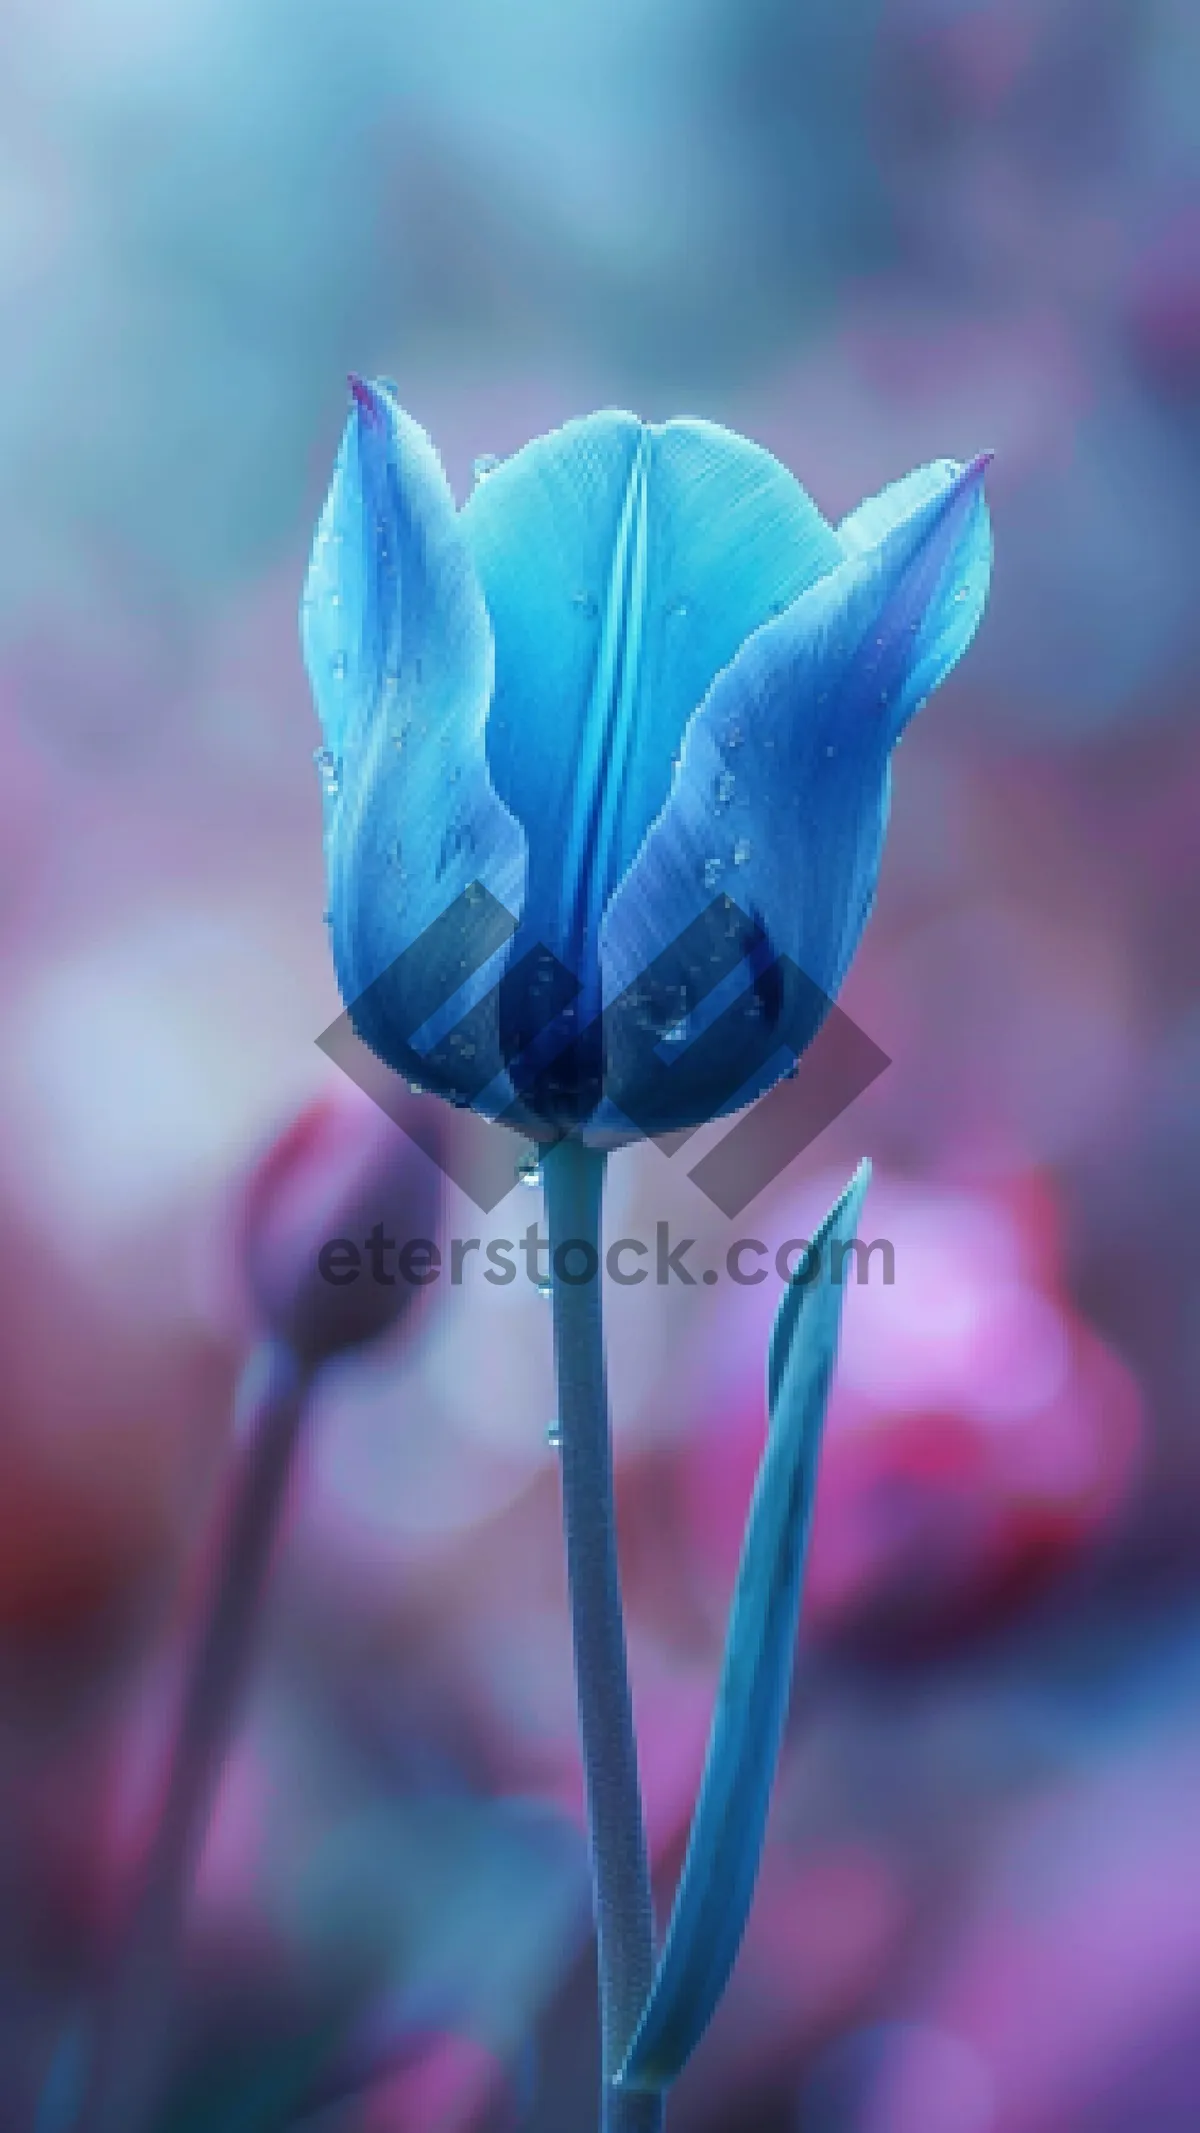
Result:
723,790
339,666
486,464
544,1286
733,735
712,873
960,596
831,750
328,770
741,851
529,1169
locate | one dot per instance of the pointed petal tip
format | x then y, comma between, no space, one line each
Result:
976,468
365,398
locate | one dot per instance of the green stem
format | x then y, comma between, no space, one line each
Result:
574,1183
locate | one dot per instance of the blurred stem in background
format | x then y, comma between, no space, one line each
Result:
574,1184
339,1167
131,2048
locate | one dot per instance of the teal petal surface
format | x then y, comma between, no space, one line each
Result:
726,1839
954,613
398,649
623,566
776,816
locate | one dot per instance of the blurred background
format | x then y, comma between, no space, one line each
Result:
867,234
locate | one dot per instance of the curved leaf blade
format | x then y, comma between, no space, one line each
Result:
725,1844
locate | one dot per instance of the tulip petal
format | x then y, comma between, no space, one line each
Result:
776,818
622,566
952,620
424,859
725,1843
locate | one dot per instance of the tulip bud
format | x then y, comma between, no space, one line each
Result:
326,1211
616,731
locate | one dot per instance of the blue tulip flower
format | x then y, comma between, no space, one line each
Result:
606,753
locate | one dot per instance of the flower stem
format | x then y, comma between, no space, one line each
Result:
574,1183
128,2062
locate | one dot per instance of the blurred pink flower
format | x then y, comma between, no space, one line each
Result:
980,1433
341,1168
104,1430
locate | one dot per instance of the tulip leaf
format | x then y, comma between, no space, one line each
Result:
726,1839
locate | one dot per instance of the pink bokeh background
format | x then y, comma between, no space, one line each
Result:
866,237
